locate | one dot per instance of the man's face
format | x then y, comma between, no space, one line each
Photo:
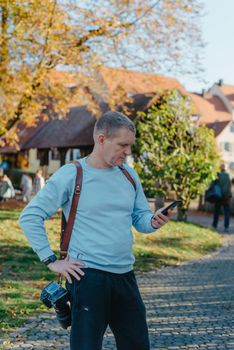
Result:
116,149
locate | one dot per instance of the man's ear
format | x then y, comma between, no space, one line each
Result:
101,139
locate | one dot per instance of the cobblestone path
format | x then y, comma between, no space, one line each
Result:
189,307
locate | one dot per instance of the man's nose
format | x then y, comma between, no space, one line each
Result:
128,151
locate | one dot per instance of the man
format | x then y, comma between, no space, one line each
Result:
38,181
6,188
225,184
26,186
99,270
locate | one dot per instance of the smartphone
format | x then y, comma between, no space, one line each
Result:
171,206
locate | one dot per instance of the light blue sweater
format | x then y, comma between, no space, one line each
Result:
108,207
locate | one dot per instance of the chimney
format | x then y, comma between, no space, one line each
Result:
220,82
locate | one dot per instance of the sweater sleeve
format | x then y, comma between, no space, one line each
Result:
142,214
52,197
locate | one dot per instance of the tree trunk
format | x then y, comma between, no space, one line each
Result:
181,214
201,204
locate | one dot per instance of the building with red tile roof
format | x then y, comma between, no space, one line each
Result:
228,92
136,82
62,137
216,109
225,138
209,109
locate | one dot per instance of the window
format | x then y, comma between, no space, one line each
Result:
195,118
227,146
72,154
54,154
76,153
43,156
232,127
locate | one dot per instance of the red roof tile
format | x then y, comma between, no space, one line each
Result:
228,91
210,109
74,131
136,82
218,127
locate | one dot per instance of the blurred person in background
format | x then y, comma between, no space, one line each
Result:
6,188
38,181
26,187
225,184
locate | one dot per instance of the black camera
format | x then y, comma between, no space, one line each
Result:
55,295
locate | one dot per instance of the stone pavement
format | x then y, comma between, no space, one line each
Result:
189,307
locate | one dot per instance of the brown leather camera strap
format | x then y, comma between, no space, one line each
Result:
66,228
128,176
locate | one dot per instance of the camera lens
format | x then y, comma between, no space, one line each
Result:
64,315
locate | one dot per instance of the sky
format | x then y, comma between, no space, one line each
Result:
218,34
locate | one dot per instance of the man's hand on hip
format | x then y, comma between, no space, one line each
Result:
67,268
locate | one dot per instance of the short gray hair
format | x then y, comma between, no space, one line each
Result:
110,122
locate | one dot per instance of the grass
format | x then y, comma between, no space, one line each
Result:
173,244
22,276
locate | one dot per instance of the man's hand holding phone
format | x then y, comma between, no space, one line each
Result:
162,215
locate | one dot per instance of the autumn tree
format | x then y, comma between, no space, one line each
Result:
172,153
38,39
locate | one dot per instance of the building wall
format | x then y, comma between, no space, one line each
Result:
34,163
54,160
225,142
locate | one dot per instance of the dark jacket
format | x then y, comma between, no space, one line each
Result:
225,184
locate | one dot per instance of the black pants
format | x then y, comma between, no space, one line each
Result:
227,213
103,298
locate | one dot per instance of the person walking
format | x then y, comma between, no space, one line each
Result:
26,186
225,183
38,181
99,267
